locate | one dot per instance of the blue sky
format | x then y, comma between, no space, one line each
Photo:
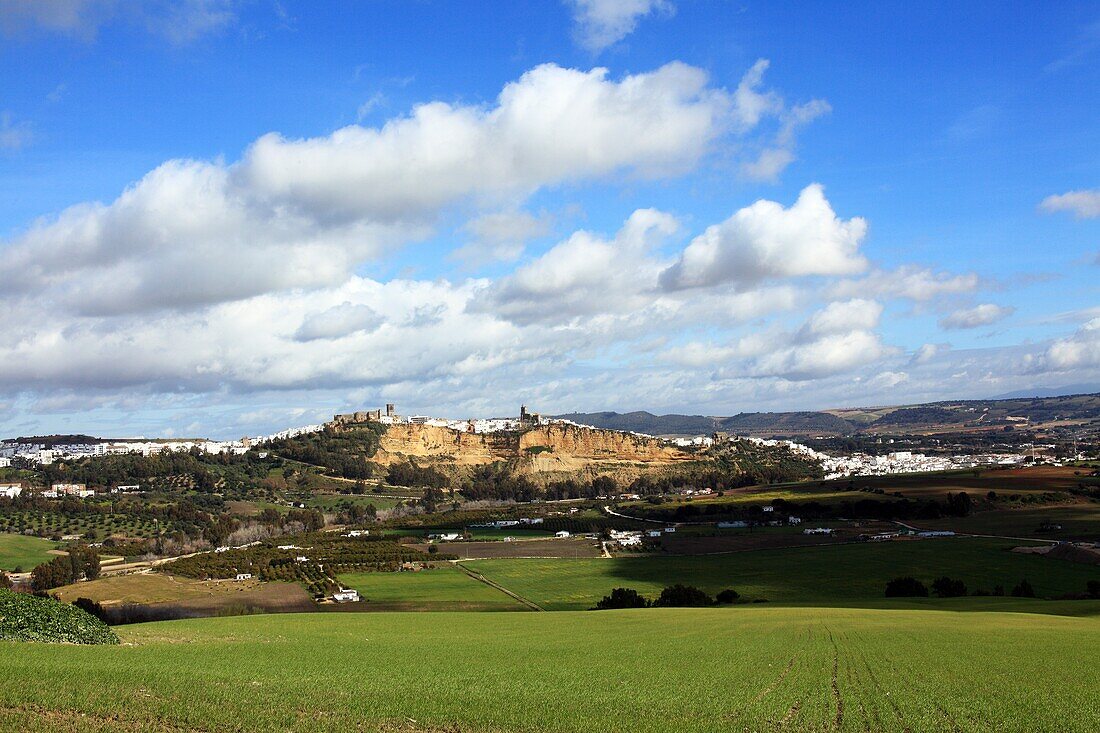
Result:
332,205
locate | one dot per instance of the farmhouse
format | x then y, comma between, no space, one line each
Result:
244,576
11,491
733,524
817,530
669,530
348,595
78,490
563,534
653,533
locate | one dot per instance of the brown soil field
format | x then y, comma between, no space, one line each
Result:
703,545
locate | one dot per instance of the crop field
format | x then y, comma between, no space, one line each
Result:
850,574
441,588
702,540
1005,481
740,669
1078,522
19,551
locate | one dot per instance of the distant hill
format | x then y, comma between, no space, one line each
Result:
896,419
787,423
1067,391
646,422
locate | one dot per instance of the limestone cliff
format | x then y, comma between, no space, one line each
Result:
552,448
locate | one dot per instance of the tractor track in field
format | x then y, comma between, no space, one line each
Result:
838,701
492,584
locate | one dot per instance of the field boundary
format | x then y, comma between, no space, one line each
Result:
479,577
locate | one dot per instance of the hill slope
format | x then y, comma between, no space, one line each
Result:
952,414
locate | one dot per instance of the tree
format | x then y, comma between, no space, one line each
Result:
5,581
1023,589
683,596
729,595
906,587
945,587
623,598
1093,587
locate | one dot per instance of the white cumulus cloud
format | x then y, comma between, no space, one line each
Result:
765,241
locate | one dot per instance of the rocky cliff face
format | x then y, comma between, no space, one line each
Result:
545,449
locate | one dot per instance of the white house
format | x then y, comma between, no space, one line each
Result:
631,541
11,490
244,576
794,520
349,595
817,530
734,524
669,530
769,509
563,534
127,489
653,533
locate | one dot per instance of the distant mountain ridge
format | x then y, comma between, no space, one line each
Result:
961,414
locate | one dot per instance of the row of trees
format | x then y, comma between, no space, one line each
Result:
945,587
674,596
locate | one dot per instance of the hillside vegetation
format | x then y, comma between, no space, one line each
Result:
29,618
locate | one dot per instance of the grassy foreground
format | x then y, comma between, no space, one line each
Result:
746,668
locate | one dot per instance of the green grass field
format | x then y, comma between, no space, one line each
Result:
441,588
24,552
735,669
850,574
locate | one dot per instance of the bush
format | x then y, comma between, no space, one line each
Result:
729,595
683,596
29,618
623,598
945,587
1023,589
906,587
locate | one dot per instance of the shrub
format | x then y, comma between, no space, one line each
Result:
1023,589
683,596
29,618
906,587
729,595
623,598
945,587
